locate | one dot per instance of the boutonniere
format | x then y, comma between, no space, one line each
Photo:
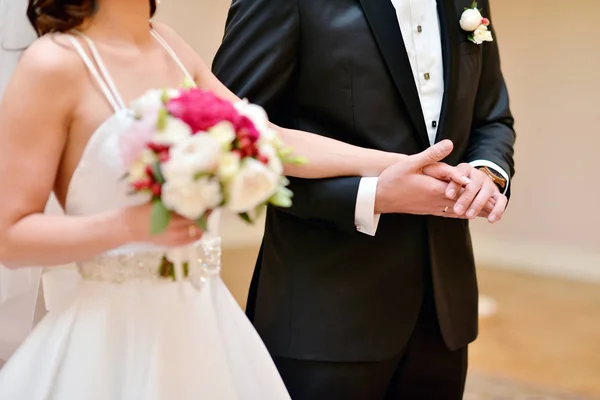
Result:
472,21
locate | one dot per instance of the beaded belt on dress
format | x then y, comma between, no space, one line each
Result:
148,265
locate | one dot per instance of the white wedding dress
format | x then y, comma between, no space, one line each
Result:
128,334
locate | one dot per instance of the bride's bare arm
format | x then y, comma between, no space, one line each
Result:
33,130
328,157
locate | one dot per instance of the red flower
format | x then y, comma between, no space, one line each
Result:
164,157
201,110
142,184
156,189
149,171
263,159
158,148
246,128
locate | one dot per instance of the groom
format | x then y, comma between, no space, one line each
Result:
357,294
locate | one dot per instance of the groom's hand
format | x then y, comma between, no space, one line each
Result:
481,197
418,183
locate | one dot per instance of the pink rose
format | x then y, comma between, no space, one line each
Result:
133,141
201,110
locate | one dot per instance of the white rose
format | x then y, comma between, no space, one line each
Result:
196,154
482,34
254,113
252,186
224,132
151,101
191,199
228,165
470,19
274,161
176,131
270,137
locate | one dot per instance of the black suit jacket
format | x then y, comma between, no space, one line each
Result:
338,68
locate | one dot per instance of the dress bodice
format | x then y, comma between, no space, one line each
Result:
97,186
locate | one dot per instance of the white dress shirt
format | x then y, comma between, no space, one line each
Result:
419,24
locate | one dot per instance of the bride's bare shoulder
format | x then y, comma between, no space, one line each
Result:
169,34
52,55
180,46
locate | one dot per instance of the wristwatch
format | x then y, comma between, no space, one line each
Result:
498,179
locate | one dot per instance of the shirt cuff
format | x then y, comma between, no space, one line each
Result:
365,219
495,167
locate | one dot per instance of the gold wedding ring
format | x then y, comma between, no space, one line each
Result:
446,209
192,231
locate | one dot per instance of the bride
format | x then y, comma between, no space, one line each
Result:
128,334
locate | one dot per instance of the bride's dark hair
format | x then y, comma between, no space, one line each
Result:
48,16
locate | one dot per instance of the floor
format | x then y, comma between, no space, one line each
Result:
543,341
545,333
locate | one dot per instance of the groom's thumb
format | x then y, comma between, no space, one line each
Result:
434,154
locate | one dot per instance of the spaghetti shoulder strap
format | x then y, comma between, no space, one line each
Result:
95,74
107,78
172,53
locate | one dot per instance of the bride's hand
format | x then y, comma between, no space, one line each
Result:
180,232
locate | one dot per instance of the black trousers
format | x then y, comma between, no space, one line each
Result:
426,370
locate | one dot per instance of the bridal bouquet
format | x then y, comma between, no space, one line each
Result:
193,152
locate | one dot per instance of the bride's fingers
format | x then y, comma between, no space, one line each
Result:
184,236
178,220
446,173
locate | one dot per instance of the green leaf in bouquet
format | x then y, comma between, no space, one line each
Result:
246,217
287,157
284,152
259,211
199,175
296,160
161,122
158,176
282,198
202,222
159,218
164,96
188,83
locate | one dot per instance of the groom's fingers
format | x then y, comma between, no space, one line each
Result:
433,154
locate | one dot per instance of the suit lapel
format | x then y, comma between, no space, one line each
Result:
381,16
449,21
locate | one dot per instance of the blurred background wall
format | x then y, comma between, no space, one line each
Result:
551,60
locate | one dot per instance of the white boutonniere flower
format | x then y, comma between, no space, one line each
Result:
472,21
